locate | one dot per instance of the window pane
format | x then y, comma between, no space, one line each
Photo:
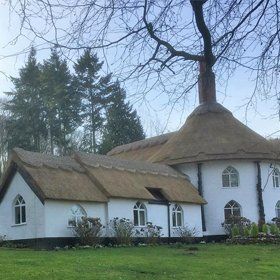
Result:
236,212
179,219
277,182
174,219
234,180
227,214
135,215
225,180
23,214
17,215
142,218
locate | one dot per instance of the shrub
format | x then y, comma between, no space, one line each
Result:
246,231
151,232
240,222
186,233
254,230
276,221
265,228
235,231
2,240
88,230
123,230
274,229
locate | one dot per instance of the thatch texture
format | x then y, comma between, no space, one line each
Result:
210,133
141,150
88,177
129,179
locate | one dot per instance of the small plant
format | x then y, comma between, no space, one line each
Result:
2,240
240,222
276,221
186,234
265,229
88,230
254,230
151,232
274,230
123,230
235,231
246,232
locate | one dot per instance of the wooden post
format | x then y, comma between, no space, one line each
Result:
259,193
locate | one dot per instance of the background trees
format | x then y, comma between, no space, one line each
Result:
122,122
55,111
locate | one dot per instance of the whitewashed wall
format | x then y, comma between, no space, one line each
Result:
57,214
34,227
270,194
217,196
157,214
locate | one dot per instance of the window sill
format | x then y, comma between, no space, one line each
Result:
228,188
19,225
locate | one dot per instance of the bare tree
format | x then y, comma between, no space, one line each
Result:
159,42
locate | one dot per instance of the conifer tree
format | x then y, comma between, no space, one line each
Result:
25,126
61,103
123,124
94,90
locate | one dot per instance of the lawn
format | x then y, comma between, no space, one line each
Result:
211,261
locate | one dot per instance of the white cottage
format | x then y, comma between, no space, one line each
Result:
41,195
213,167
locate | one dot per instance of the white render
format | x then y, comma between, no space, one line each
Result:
51,218
35,224
245,194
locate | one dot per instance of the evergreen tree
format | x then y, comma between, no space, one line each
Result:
25,126
123,124
61,103
94,90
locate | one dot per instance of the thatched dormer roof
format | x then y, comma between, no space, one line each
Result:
211,132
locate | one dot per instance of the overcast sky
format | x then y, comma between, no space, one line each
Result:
157,117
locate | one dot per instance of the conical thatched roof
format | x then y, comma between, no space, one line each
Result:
211,132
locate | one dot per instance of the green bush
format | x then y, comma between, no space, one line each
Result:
265,228
246,231
235,231
274,229
254,230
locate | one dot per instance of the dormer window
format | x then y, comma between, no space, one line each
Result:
230,177
276,178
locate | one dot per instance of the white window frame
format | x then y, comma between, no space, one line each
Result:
229,172
77,212
19,203
232,207
277,209
276,178
140,207
177,209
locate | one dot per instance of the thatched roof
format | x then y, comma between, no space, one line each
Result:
211,132
141,150
88,177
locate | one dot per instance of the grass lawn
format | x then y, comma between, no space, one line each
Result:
211,261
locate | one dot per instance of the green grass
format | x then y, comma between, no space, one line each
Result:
212,261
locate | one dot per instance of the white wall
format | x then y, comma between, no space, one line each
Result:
157,214
34,227
57,214
217,196
270,194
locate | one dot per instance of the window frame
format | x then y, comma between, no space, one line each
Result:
139,207
232,208
177,209
73,217
20,204
229,173
276,177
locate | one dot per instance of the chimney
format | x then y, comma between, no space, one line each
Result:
206,84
